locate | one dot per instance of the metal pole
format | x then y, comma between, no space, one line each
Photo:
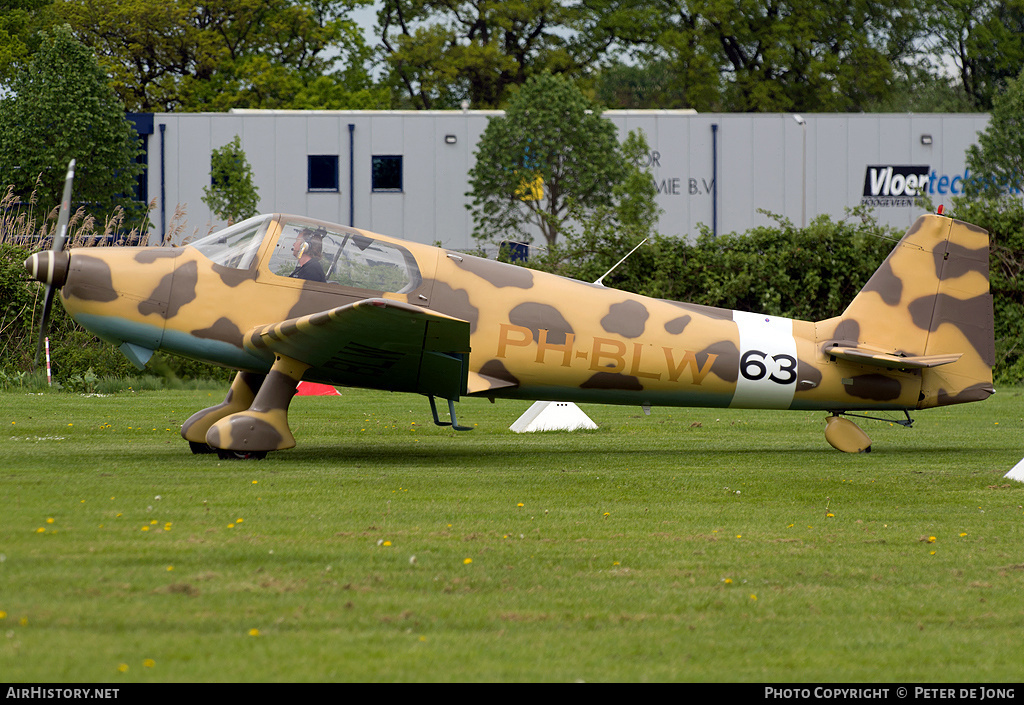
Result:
803,169
803,178
163,190
714,179
351,176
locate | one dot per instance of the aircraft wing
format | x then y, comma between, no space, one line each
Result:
374,343
866,356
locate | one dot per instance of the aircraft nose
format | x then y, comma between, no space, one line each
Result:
49,267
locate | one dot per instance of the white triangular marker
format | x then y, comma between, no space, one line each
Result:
1017,473
552,416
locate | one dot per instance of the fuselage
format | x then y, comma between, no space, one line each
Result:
533,335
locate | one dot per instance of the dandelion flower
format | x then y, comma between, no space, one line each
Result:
170,568
467,561
254,632
963,534
520,504
931,539
122,668
50,520
386,543
149,663
3,615
728,581
754,598
41,530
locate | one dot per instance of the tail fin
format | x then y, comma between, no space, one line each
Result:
929,305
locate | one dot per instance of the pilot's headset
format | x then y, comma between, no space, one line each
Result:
312,243
316,242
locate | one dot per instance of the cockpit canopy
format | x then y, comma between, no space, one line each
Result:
342,256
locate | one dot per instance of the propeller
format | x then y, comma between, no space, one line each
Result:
51,266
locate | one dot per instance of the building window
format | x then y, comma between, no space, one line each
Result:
323,172
387,172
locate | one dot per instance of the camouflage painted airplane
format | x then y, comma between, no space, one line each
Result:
283,298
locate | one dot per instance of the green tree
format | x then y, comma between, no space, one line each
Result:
594,240
190,55
984,39
769,55
996,162
551,152
62,108
231,195
441,52
20,22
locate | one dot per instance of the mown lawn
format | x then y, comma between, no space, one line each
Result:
690,545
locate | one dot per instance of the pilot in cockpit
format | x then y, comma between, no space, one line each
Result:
308,249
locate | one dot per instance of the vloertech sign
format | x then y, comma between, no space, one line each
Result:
892,185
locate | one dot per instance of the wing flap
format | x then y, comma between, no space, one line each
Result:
374,343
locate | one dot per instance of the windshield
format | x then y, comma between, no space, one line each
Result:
235,246
345,257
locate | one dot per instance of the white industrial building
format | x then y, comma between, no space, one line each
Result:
404,173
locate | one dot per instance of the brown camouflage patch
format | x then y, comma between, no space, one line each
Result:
727,361
627,319
149,255
90,279
494,368
677,325
876,387
223,330
455,303
539,317
233,277
613,380
176,289
497,274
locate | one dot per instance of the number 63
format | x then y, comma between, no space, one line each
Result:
753,367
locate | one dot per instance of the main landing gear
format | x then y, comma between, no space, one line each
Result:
253,418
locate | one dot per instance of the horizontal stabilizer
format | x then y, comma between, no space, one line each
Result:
866,356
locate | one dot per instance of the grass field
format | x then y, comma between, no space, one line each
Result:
690,545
